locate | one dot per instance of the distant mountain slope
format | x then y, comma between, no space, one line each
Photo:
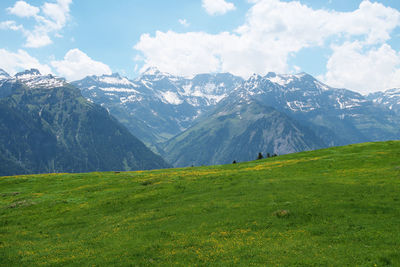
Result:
316,116
338,116
47,126
239,131
157,106
389,98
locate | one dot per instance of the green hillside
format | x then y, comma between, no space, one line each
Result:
331,207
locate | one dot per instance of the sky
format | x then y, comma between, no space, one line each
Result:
351,44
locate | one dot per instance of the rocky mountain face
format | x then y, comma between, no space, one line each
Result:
238,131
30,79
47,126
306,114
174,114
157,106
337,116
389,99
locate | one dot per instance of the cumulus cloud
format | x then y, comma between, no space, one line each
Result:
50,19
57,13
10,24
352,66
77,65
23,9
15,62
185,54
273,32
217,7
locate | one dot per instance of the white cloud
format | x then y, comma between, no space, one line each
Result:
183,54
274,31
77,65
37,39
58,13
10,24
15,62
50,19
373,70
23,9
184,22
217,7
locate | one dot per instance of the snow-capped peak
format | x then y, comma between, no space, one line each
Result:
154,72
151,71
279,79
301,75
285,79
28,74
254,77
115,79
33,79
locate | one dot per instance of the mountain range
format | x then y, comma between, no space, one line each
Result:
217,118
157,106
47,126
174,115
389,99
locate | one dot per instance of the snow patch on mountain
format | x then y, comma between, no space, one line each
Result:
207,92
322,86
171,98
130,99
187,88
389,98
209,88
211,99
343,102
33,79
283,79
147,84
116,81
154,74
301,106
44,82
280,79
119,89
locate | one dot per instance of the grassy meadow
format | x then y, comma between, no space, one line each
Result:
332,207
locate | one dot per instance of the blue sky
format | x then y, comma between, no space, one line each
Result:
346,43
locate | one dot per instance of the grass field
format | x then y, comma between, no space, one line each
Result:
331,207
